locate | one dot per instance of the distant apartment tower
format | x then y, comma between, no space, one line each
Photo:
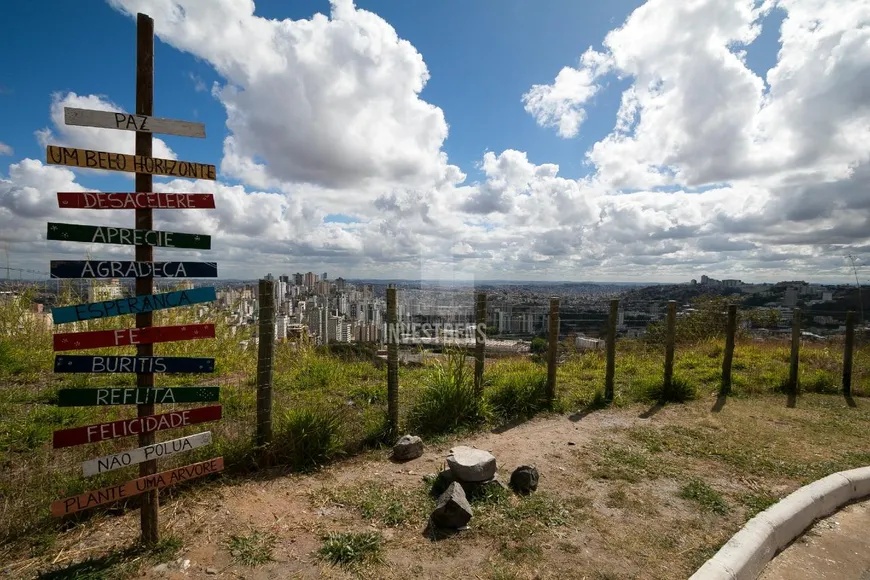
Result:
298,279
339,284
324,277
310,280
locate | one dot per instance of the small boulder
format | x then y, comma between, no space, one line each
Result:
524,479
440,482
408,447
452,509
471,465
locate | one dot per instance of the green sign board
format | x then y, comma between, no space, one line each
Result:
126,236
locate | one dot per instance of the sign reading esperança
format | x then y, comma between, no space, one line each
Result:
131,364
135,426
132,305
127,122
128,200
125,236
130,269
141,454
136,396
70,505
131,336
89,159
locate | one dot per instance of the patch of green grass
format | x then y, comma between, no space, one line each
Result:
756,503
621,462
517,390
349,549
118,564
447,401
375,501
707,498
253,549
309,437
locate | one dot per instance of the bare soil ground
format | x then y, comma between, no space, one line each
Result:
624,493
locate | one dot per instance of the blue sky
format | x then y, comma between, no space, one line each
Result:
618,204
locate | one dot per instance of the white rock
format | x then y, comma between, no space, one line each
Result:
470,464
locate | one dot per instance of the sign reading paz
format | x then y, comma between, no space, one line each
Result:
133,305
136,426
127,269
134,456
74,200
131,336
125,236
70,505
136,396
126,122
89,159
72,363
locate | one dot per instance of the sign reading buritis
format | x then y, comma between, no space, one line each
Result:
73,363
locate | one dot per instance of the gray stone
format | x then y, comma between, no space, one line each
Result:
211,571
440,482
524,479
160,569
471,465
408,447
452,510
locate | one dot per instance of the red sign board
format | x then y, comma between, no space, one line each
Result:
129,336
129,427
77,200
73,504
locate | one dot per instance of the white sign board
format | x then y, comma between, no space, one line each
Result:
135,456
127,122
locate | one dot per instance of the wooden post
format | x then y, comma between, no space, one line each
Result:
847,353
265,359
392,361
795,351
552,350
670,339
479,343
148,513
730,332
611,350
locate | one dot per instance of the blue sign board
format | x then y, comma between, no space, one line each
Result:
132,305
132,364
128,269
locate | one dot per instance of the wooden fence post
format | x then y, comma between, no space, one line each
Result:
611,350
847,353
670,339
795,351
479,343
727,359
552,350
392,361
265,359
148,512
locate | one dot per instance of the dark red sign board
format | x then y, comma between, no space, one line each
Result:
129,336
76,200
130,427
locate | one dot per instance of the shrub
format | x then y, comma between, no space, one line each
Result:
308,437
447,400
517,393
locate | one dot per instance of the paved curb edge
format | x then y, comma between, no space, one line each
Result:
748,551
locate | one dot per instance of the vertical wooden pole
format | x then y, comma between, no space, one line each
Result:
392,361
611,350
727,359
148,513
795,351
265,359
847,353
552,350
670,339
479,343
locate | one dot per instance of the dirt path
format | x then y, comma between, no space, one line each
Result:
835,548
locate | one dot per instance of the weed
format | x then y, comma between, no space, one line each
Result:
447,401
253,549
757,502
347,548
707,498
517,391
309,437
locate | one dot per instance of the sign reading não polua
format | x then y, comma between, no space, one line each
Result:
125,236
70,505
136,396
132,364
129,269
135,456
127,122
89,159
116,200
132,305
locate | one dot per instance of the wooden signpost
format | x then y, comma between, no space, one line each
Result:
126,236
138,305
128,336
144,269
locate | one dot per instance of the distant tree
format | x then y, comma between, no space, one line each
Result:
539,345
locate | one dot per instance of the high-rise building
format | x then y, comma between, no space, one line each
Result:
324,277
298,279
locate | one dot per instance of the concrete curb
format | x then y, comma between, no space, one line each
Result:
748,551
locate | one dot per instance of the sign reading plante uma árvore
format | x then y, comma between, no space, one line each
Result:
70,505
73,363
131,336
116,200
132,305
146,453
125,236
136,396
129,269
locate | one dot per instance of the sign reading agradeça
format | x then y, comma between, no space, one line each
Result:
130,269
